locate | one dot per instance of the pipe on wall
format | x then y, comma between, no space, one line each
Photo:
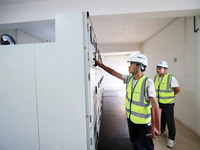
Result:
194,21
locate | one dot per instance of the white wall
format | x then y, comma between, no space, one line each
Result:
128,47
179,41
23,38
118,63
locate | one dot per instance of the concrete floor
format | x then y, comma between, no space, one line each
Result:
185,139
114,130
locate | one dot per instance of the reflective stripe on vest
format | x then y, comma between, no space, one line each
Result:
164,92
137,109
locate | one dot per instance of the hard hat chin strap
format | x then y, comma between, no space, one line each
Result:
163,73
135,69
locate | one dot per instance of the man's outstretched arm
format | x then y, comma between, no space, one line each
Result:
107,69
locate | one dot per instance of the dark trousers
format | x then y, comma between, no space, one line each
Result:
167,117
139,136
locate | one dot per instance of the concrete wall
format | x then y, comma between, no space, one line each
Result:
178,41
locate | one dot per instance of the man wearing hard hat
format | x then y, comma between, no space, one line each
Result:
167,87
143,121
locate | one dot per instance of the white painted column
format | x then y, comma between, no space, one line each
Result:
198,96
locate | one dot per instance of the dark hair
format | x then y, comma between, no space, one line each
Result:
142,67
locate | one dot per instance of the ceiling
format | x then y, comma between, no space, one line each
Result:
113,29
124,29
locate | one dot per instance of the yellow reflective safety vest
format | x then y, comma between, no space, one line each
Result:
164,92
137,109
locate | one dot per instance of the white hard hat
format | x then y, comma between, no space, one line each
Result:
140,58
163,64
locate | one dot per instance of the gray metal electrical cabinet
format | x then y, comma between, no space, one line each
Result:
50,93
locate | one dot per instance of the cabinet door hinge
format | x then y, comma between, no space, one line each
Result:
90,118
95,89
88,27
89,76
90,141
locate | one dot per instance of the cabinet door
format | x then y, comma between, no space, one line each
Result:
61,86
18,110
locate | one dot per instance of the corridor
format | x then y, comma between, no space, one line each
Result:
114,130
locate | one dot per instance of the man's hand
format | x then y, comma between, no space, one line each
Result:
95,62
155,121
